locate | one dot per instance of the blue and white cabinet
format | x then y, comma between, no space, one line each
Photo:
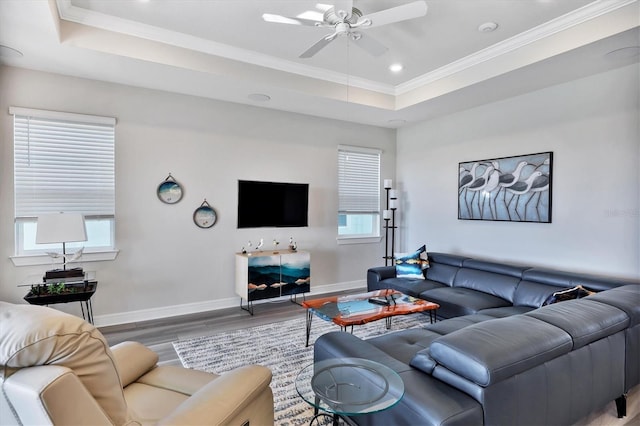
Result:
268,274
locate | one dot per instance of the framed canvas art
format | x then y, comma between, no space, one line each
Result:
513,189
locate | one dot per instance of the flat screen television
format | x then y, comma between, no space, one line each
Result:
272,204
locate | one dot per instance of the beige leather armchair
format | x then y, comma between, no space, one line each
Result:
58,369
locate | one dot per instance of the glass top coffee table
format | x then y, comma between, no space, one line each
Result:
343,387
358,309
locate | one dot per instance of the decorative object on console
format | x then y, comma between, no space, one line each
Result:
515,189
389,214
61,228
169,191
205,216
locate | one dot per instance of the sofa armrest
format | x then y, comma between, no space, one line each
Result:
133,359
52,394
241,396
378,274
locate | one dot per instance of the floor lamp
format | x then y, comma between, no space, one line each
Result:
389,215
61,228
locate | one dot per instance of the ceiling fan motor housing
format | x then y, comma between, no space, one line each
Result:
333,17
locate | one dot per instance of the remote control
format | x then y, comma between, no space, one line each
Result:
377,301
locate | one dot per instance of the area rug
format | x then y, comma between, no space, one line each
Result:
281,347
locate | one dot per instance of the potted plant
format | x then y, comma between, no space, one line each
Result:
50,293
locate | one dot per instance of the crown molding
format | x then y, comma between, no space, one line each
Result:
67,11
547,29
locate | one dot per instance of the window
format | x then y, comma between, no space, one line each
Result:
358,192
63,163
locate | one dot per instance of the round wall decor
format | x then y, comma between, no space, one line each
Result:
169,191
205,216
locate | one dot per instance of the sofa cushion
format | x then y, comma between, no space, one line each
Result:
454,324
44,336
133,360
447,259
498,268
626,298
458,301
564,279
585,321
412,287
503,286
422,359
441,273
533,294
490,351
505,311
403,344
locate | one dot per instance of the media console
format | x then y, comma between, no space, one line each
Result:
271,273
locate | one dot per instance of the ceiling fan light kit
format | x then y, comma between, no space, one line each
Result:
346,19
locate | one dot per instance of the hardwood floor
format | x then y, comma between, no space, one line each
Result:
158,335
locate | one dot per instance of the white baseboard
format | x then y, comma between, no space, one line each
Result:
206,306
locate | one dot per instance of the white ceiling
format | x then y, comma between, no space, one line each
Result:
222,49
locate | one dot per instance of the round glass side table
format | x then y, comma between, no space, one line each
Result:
344,387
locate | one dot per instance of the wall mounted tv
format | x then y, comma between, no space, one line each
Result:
272,204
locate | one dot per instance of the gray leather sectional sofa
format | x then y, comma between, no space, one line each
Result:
498,356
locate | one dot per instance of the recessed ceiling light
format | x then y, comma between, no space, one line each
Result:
487,27
9,52
395,67
624,53
259,97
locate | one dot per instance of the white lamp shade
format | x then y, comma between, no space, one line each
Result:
60,228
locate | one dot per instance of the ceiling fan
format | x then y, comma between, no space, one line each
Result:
348,21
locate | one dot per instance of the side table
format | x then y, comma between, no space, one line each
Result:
343,387
73,292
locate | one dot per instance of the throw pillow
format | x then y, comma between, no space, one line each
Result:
409,265
576,292
424,258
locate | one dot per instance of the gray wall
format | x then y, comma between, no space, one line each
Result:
592,127
166,265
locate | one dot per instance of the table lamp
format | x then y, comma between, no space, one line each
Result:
61,228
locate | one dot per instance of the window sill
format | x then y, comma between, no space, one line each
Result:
358,240
43,259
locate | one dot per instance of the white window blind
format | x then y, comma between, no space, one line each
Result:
358,180
63,163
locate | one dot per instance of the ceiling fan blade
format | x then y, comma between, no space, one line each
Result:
370,44
344,5
279,19
411,10
319,45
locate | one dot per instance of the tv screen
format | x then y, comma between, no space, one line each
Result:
277,204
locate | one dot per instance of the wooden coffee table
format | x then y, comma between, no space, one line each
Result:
357,309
